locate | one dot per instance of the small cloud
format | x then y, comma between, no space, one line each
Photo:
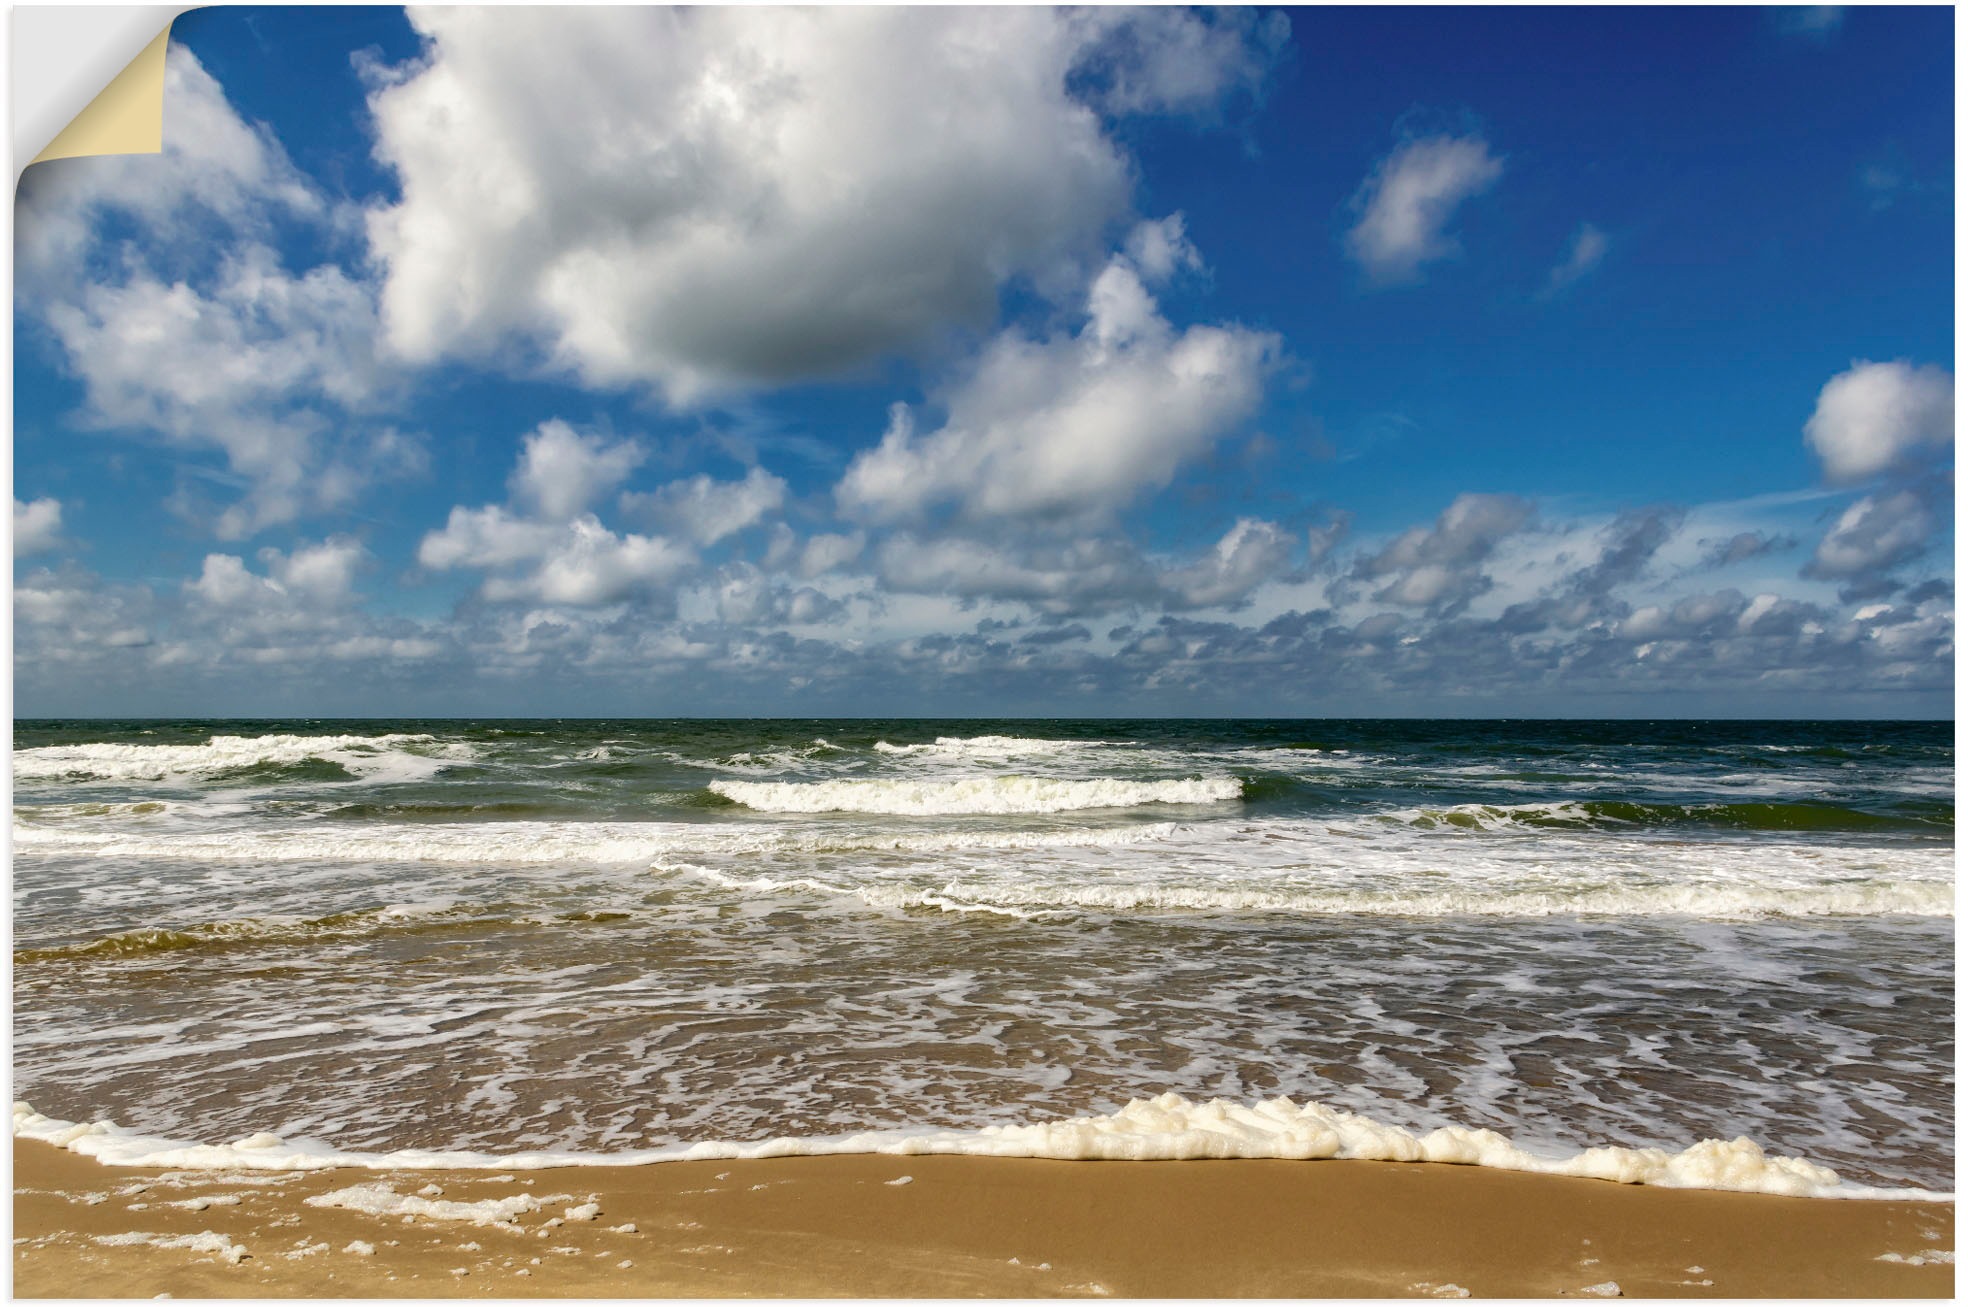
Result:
707,511
1056,635
1813,22
1882,183
1161,249
561,472
37,526
1588,248
1407,202
1889,177
1742,547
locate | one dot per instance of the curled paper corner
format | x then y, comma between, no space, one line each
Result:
127,115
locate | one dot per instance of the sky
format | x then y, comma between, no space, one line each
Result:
999,362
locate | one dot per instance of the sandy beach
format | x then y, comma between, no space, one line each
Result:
950,1227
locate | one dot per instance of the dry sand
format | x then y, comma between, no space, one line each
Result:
960,1227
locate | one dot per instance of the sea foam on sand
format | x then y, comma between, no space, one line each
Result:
1166,1128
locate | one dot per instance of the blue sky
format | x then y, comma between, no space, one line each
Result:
1378,361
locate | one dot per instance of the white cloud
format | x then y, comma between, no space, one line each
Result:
748,597
558,554
1875,417
69,623
1587,249
1409,198
485,537
1171,59
1071,426
1872,535
561,472
1054,577
705,510
1250,553
323,573
825,552
1089,574
1442,566
712,197
246,368
577,562
587,564
1817,22
1159,250
313,578
37,525
214,166
234,354
224,582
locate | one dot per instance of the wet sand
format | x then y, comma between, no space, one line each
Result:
960,1227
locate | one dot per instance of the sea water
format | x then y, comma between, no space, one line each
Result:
484,942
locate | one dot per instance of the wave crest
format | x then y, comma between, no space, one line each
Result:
993,795
359,754
1613,814
984,747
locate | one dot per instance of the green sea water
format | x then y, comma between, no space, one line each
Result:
607,935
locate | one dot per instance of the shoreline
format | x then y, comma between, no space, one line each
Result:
850,1225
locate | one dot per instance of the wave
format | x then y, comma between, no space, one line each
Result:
370,756
1587,814
994,795
1026,900
533,842
1165,1128
486,842
54,812
247,930
986,747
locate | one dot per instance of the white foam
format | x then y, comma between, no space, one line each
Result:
539,842
1166,1128
372,756
381,1200
511,842
1000,795
205,1241
1920,899
985,747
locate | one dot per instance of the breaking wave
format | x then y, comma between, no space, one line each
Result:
372,756
534,842
1613,814
994,795
985,747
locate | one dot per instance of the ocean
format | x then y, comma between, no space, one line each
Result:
285,943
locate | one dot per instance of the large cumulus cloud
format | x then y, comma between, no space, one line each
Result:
705,198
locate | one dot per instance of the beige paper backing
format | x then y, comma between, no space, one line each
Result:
126,118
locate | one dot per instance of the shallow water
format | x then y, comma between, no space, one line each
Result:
602,936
